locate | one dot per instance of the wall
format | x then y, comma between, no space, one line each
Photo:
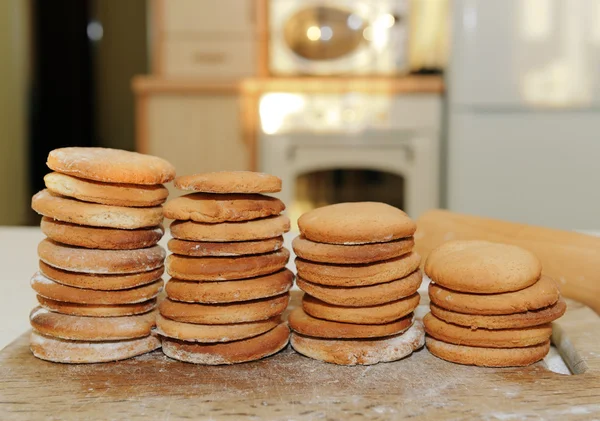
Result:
14,77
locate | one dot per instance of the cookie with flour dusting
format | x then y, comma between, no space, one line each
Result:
240,351
97,310
257,229
356,223
361,351
111,165
216,249
229,182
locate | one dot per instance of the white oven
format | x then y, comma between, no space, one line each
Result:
332,37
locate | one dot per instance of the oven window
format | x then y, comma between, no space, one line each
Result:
327,187
324,33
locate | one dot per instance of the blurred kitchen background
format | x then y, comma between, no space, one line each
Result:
484,107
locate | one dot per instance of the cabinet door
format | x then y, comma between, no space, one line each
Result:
196,133
208,16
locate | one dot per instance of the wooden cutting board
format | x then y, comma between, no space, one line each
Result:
290,386
570,258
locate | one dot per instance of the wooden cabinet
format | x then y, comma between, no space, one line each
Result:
194,125
204,38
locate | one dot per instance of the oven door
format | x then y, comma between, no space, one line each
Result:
330,37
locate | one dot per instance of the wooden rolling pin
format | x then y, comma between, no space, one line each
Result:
572,259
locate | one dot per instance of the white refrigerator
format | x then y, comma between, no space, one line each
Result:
524,111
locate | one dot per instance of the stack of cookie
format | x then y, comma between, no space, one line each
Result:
229,284
490,304
100,267
356,265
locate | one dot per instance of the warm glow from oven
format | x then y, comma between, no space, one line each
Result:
275,108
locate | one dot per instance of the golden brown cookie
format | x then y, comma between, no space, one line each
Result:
106,193
223,314
93,214
229,182
504,321
49,289
380,314
487,357
304,324
541,294
101,282
212,249
358,275
258,229
366,295
225,268
82,352
360,351
212,208
97,310
241,351
191,332
230,291
101,238
482,267
80,328
356,223
84,260
351,254
111,165
489,338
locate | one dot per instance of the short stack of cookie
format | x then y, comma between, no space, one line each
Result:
360,277
229,283
490,304
100,266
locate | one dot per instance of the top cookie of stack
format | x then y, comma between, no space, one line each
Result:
356,265
229,284
490,304
100,267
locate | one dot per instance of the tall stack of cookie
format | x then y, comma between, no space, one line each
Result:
229,284
356,265
100,266
490,304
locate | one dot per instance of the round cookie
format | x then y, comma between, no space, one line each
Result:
80,328
213,208
106,193
230,291
53,290
306,325
360,351
97,310
380,314
541,294
258,229
82,352
213,333
223,314
487,357
111,165
356,223
100,282
504,321
482,267
229,182
212,249
94,214
225,268
101,238
351,254
241,351
501,338
97,261
358,275
366,295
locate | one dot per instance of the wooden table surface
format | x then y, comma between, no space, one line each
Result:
289,386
